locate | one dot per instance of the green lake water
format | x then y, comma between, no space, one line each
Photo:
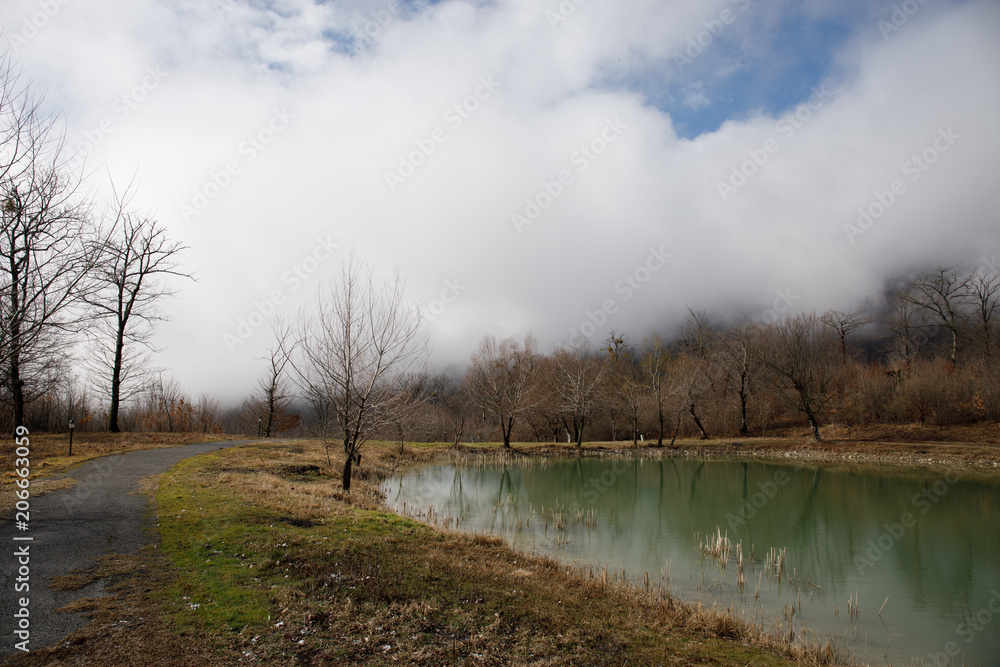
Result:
928,541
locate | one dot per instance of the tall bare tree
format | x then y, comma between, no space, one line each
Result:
577,377
902,324
357,356
985,296
45,254
656,367
941,294
501,378
739,363
451,395
844,323
696,368
626,388
137,259
800,354
273,399
208,413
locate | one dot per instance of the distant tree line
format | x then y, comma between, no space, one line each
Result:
928,356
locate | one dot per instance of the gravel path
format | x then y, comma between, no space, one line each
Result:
70,530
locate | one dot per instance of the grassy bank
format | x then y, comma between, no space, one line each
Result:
262,560
271,555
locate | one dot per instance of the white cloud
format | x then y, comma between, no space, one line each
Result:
357,112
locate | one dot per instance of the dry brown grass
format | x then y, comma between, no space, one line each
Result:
343,582
344,579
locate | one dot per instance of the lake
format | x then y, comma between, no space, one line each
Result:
825,548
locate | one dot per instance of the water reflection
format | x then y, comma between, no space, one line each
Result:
925,545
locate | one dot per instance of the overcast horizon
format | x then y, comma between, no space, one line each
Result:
530,167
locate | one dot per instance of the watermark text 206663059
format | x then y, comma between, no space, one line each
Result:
22,546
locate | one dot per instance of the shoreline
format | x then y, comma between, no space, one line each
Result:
975,458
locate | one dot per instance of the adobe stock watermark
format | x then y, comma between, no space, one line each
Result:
597,485
454,117
901,15
755,502
580,161
714,27
991,266
32,25
625,289
915,168
786,127
367,30
223,8
780,307
968,630
121,108
453,289
562,13
892,533
248,151
293,279
80,494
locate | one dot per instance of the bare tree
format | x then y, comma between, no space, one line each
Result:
577,377
452,396
627,389
407,416
941,294
131,280
356,358
985,296
208,413
501,377
271,403
844,323
902,324
690,381
656,372
801,356
696,370
739,362
45,256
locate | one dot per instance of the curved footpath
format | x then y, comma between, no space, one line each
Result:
70,530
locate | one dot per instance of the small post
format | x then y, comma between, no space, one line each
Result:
258,426
72,425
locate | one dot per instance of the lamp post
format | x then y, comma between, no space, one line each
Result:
72,425
258,426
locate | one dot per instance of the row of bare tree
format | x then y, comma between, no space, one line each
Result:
358,361
78,279
931,356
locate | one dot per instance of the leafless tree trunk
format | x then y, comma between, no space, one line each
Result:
356,357
844,323
501,378
627,388
452,396
136,260
208,413
738,346
273,399
941,294
45,258
985,291
657,372
577,380
801,356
